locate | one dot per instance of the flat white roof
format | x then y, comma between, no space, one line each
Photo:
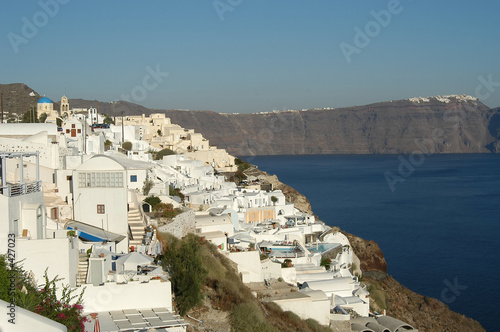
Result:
135,320
27,129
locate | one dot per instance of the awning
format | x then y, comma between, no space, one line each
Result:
93,234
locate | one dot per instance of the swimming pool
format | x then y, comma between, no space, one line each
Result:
322,247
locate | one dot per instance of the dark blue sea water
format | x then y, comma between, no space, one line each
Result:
439,227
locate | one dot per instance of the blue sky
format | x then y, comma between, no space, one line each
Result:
251,55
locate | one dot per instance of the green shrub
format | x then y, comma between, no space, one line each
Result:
44,301
127,146
249,317
153,201
166,210
160,154
315,326
175,192
242,165
183,259
325,262
147,186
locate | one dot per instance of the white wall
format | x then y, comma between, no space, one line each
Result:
133,295
289,275
114,219
248,265
60,256
270,269
86,199
141,177
26,320
11,209
308,307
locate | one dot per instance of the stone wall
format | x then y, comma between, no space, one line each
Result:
182,225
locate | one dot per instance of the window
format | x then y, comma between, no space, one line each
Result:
100,209
67,131
73,126
100,179
133,178
54,214
79,131
69,177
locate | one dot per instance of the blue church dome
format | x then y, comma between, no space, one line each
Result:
44,100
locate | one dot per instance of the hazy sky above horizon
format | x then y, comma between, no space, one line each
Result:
242,56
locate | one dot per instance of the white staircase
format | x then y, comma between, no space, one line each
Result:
136,226
83,265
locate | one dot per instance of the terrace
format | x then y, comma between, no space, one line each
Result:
20,187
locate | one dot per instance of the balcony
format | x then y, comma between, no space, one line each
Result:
18,189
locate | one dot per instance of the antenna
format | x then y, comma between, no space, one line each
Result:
1,106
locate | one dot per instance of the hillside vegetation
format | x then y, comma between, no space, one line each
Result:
204,280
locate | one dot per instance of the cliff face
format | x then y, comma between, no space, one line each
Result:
425,313
450,124
433,125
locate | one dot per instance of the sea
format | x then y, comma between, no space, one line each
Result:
436,218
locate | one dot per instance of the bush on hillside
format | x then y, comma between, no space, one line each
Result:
160,154
44,301
249,317
182,258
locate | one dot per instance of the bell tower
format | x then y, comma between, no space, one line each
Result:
64,105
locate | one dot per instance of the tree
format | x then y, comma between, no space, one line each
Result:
30,116
183,259
274,199
42,118
164,152
242,165
108,120
107,145
146,188
127,146
239,175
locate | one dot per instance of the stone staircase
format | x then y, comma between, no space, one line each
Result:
83,265
136,226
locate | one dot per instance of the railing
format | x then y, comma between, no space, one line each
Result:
21,189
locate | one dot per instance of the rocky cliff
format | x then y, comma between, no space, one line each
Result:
442,124
425,313
451,124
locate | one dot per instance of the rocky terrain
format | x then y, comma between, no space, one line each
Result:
441,124
425,313
17,98
434,125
